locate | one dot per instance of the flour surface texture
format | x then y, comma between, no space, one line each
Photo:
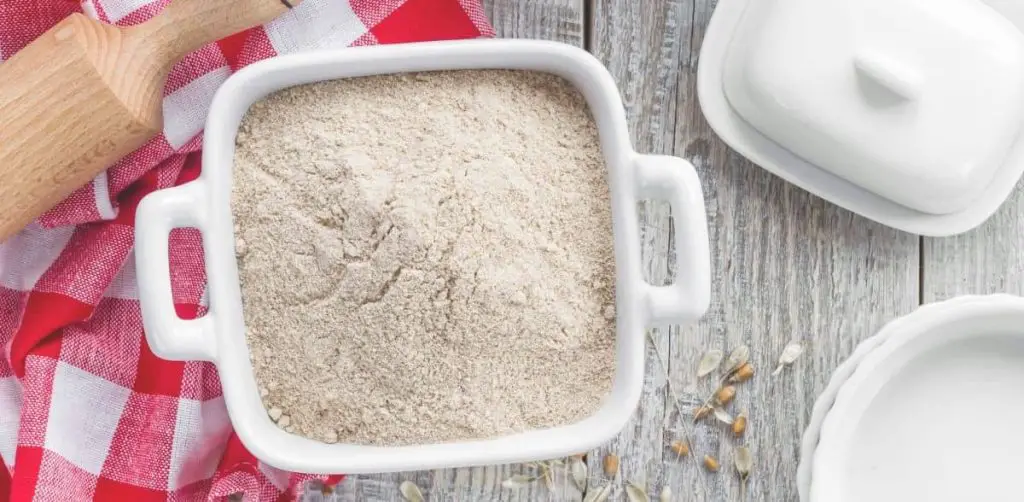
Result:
425,257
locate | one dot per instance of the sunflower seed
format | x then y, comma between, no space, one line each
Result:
742,374
709,362
518,481
635,493
744,462
739,356
611,465
549,481
579,473
680,447
666,494
789,354
410,491
710,463
600,494
723,416
701,412
739,426
725,394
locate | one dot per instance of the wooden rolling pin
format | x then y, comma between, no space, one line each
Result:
85,94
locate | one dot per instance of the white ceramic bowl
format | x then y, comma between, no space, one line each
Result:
933,412
877,114
219,336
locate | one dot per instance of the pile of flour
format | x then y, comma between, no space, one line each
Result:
425,257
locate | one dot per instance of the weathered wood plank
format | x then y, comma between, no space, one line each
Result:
785,264
560,20
985,260
641,43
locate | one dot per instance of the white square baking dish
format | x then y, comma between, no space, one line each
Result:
219,336
907,112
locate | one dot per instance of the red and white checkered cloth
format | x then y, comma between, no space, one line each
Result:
87,412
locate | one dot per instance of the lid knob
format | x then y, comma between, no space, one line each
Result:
901,81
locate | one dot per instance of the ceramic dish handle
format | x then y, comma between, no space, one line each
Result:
675,180
169,336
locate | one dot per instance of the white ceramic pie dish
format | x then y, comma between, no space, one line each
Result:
908,112
930,413
823,404
219,336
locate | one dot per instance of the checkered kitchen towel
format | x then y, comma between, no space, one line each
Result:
87,412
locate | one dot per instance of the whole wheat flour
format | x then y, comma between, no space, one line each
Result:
425,257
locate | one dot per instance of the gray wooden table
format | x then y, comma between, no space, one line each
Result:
785,265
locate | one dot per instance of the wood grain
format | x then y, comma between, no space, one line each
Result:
560,20
988,259
61,120
785,265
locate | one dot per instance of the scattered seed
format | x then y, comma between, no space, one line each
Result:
739,356
264,392
275,413
240,247
578,470
611,465
742,374
410,491
723,416
739,426
600,494
702,412
680,447
635,493
744,462
710,463
666,494
546,476
709,362
332,437
518,481
284,421
789,354
725,395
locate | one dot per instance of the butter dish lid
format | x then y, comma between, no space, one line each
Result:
918,101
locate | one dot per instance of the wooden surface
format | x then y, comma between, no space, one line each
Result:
785,265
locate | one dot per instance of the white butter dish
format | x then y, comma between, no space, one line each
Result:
908,112
923,415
